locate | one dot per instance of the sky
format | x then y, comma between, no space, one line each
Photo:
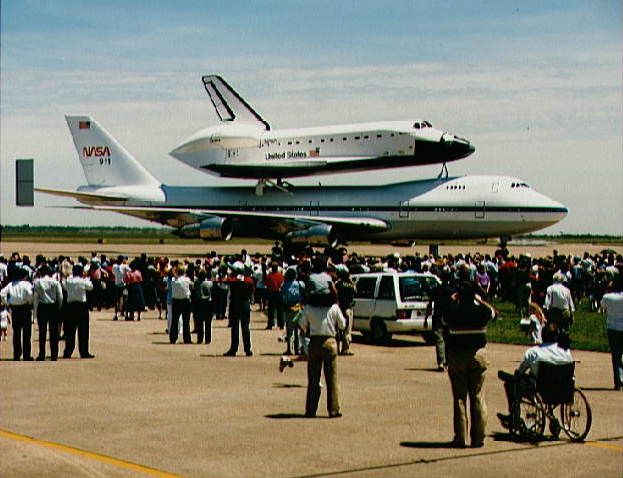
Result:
535,86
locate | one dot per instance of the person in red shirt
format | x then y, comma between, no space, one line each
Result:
273,282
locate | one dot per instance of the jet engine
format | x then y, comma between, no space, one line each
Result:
320,235
212,229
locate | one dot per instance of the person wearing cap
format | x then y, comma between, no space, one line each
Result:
550,352
18,295
48,300
466,340
77,314
559,304
240,292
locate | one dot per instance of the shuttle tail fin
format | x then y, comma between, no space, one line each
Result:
104,161
229,105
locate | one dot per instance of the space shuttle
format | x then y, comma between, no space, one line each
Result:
244,145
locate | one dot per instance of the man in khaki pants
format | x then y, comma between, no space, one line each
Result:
467,363
323,323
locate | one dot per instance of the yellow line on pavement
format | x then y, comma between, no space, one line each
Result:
605,445
89,454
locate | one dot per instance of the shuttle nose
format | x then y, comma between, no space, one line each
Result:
456,147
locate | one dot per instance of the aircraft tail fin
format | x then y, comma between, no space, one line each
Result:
104,161
229,105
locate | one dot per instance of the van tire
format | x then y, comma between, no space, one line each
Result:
378,331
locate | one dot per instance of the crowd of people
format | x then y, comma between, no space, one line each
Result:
310,295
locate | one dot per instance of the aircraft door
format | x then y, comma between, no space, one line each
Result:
233,153
314,208
479,210
364,302
403,209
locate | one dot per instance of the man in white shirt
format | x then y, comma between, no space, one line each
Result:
18,295
119,270
559,304
323,323
48,300
549,352
612,304
77,317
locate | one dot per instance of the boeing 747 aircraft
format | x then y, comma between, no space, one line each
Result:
245,146
432,209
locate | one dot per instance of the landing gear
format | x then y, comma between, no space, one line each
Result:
281,185
504,241
443,174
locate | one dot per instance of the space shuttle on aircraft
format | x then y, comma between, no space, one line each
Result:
245,146
431,209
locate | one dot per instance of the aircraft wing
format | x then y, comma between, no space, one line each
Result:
280,223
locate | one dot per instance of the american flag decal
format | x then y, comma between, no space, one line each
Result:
84,125
314,153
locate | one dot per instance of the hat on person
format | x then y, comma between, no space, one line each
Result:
558,277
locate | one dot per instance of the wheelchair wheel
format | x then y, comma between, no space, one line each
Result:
576,417
531,418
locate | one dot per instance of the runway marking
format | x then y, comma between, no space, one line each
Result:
605,445
89,454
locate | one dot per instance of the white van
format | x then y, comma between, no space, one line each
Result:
393,302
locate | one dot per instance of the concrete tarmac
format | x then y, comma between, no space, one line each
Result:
144,407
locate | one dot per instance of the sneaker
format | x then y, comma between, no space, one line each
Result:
285,362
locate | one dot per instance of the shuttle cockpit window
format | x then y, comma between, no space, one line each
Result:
422,124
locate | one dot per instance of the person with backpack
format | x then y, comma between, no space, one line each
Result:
292,293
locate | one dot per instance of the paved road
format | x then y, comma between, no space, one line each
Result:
145,407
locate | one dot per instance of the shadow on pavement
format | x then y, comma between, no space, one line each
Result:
394,343
280,416
429,369
599,389
287,385
428,444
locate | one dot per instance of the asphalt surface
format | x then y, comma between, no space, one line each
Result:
144,407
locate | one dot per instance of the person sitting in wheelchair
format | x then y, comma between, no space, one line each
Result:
523,381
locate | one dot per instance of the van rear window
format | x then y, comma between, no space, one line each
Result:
416,288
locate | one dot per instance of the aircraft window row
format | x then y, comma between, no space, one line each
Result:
456,186
519,185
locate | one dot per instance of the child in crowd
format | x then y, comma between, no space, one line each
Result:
5,320
288,360
533,325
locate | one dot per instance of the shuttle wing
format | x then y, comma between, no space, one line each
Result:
278,222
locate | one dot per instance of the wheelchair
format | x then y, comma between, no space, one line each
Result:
554,399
